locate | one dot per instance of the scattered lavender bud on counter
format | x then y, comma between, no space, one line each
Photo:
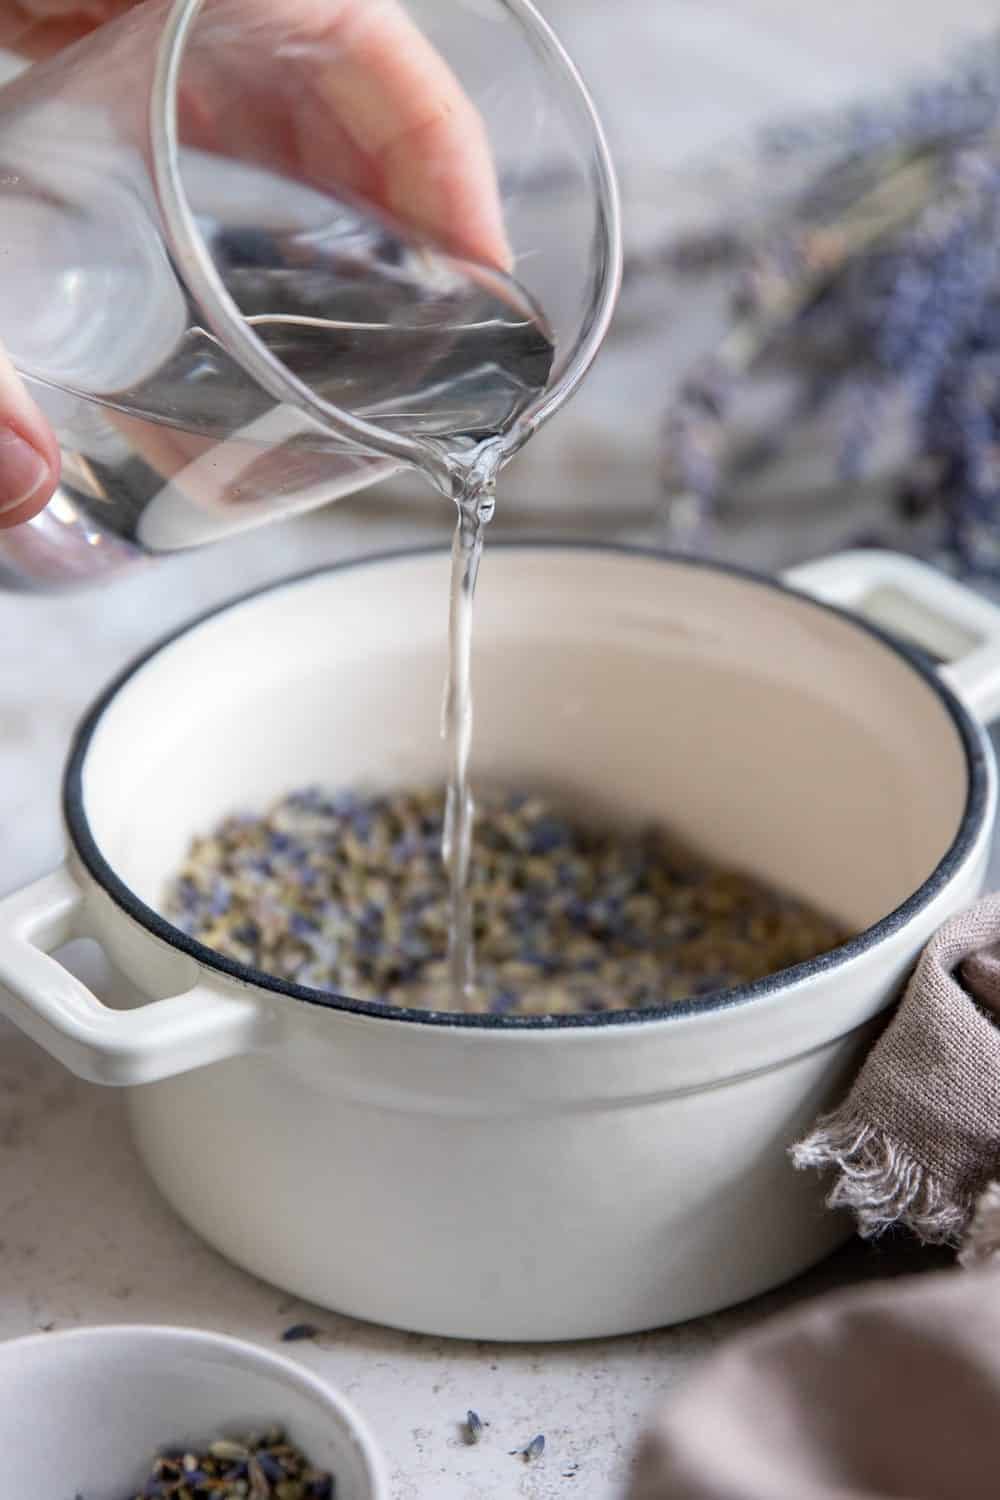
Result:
473,1427
347,895
299,1332
532,1451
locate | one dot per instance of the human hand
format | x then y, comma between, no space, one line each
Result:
364,103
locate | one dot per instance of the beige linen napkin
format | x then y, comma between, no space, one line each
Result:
917,1139
891,1391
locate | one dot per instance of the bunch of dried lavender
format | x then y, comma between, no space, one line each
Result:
878,284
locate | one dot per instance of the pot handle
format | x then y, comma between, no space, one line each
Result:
917,604
157,1040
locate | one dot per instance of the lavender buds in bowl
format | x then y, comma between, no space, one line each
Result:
263,1467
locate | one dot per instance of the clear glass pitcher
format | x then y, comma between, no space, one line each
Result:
222,320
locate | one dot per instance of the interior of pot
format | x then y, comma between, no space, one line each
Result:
774,734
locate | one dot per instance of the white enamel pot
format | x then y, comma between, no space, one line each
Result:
492,1177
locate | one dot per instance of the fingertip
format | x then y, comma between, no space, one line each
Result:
486,243
29,453
406,111
29,473
440,181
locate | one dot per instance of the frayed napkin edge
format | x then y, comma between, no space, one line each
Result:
881,1185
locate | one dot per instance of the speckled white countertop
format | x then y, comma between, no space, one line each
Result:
83,1236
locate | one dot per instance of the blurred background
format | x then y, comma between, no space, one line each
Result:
684,88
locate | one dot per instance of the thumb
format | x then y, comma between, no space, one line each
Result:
29,455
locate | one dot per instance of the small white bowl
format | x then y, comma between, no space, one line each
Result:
82,1413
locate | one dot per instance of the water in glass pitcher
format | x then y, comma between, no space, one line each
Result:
141,389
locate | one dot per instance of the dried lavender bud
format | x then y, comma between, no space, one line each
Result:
473,1427
532,1451
299,1332
227,1449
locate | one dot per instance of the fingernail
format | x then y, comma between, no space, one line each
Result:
23,470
